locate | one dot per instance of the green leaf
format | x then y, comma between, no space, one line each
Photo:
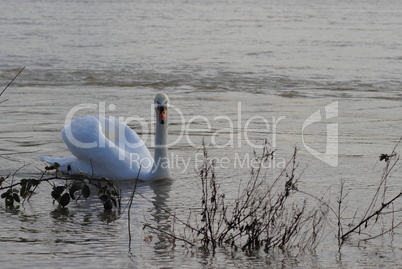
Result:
57,191
23,188
29,186
16,197
113,201
104,198
86,192
107,202
7,193
77,186
108,205
9,200
64,199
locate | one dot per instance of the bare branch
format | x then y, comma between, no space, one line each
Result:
12,81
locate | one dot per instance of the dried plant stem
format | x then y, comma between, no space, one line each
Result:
368,218
375,209
268,216
171,235
129,208
12,81
340,199
261,216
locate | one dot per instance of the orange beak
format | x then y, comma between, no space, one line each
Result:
162,114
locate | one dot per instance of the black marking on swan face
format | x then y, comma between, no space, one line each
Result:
162,111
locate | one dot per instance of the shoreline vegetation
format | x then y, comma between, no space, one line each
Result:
266,214
278,215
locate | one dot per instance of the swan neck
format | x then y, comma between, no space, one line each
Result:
161,167
160,141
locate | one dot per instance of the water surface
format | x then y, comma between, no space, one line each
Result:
280,60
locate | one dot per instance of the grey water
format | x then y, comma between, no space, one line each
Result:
237,72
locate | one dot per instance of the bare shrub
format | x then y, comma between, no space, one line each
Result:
378,209
265,215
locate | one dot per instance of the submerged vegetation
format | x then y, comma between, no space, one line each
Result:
267,213
273,213
381,207
64,188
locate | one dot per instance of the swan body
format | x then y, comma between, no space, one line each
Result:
108,148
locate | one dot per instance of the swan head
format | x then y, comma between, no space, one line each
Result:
161,104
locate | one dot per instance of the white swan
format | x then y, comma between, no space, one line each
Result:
108,148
